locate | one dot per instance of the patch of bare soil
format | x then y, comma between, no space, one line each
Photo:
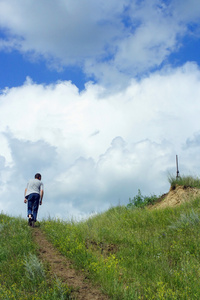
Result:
63,269
176,196
104,249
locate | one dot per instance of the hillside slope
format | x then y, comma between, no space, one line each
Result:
135,253
63,269
177,195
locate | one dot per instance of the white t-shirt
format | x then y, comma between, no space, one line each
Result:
34,186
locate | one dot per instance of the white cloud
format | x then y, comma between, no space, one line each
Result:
71,31
96,149
186,11
111,40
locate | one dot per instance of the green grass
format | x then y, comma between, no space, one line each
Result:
186,181
22,275
130,253
136,253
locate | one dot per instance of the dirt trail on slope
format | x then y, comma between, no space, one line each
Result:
63,269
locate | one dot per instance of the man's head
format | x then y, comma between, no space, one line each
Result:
38,176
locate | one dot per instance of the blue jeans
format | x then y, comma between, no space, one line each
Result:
33,204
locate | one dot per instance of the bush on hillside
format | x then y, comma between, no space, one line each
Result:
141,201
186,220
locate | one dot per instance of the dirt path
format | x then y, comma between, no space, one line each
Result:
63,269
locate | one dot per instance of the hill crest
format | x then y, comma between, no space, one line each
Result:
176,196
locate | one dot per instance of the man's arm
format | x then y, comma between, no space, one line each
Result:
25,200
41,196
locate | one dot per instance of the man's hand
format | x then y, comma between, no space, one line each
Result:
25,200
40,202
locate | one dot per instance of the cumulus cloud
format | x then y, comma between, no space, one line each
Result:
111,41
96,149
70,30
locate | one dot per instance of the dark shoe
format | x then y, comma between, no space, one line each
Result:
29,220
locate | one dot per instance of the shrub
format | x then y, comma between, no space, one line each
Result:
185,220
34,268
141,201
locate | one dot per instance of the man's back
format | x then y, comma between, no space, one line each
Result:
34,186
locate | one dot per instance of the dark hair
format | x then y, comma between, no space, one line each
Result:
38,176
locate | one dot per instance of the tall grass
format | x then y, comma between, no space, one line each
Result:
186,181
137,253
22,275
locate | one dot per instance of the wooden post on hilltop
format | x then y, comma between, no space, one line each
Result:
177,171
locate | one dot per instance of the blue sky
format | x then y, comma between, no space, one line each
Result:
99,97
16,67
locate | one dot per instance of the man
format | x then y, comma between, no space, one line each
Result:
33,195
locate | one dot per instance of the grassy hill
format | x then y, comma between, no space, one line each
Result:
130,252
22,275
